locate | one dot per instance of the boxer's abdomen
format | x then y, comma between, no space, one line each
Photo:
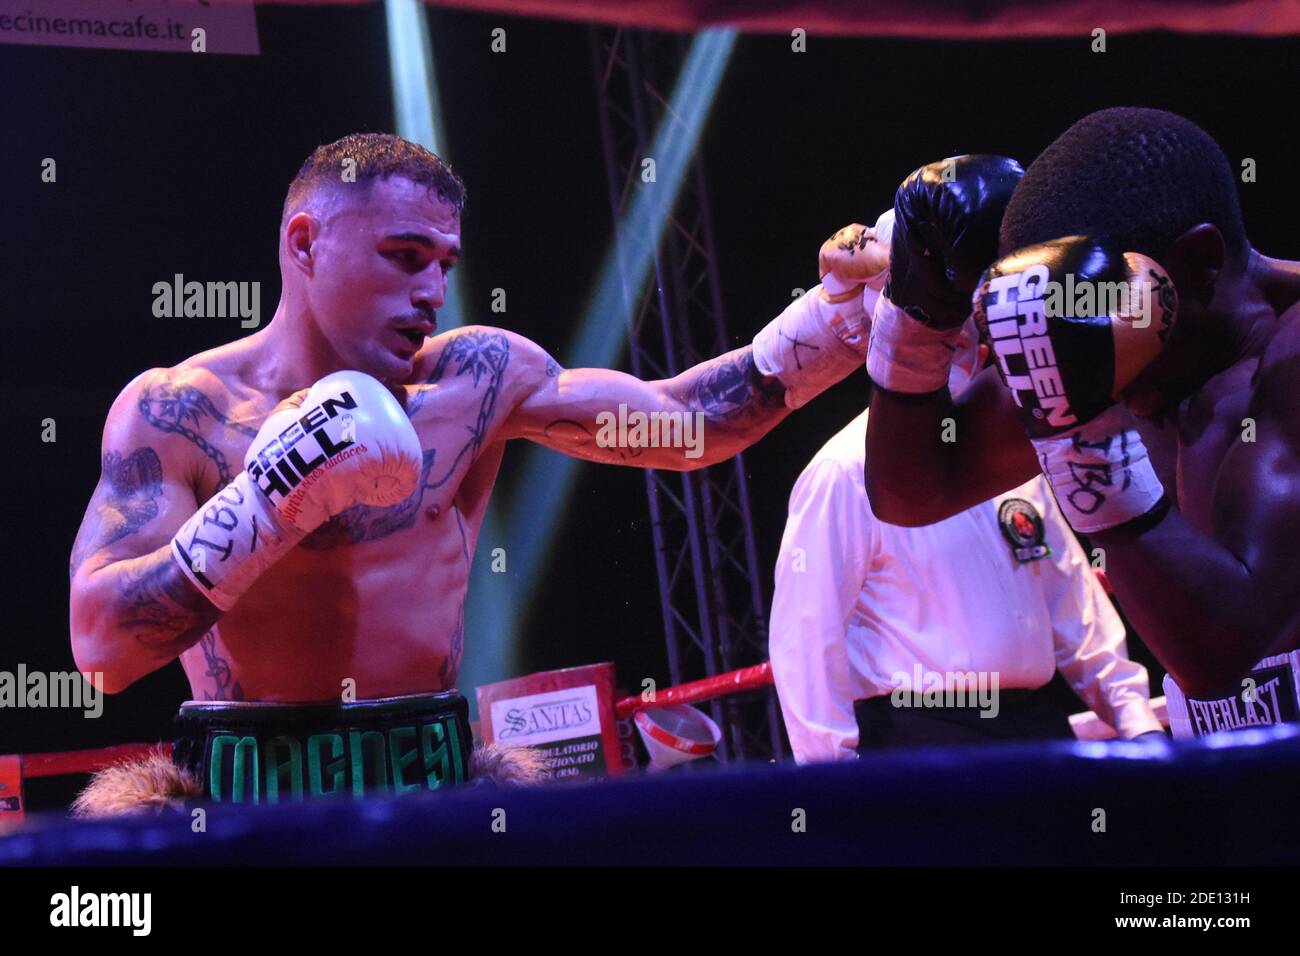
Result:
384,613
375,595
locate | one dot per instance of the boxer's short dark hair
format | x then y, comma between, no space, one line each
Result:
1137,177
377,156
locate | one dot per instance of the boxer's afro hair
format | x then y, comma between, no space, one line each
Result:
1138,177
377,156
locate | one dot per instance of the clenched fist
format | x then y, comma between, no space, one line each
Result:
855,256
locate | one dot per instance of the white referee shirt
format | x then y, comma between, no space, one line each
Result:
860,603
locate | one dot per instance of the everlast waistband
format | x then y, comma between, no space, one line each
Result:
1268,696
272,753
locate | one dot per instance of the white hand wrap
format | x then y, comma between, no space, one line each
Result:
1100,472
906,355
812,345
884,232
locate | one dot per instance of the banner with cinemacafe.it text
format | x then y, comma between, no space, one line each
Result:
936,19
164,26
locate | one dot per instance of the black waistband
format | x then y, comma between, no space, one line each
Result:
268,753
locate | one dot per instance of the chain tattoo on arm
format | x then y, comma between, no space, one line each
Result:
175,409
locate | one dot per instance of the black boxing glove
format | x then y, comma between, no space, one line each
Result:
946,219
1072,322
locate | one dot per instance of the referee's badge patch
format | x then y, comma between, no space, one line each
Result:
1022,526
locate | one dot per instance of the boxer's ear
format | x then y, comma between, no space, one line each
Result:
299,234
1195,262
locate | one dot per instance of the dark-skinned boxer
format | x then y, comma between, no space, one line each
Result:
1206,570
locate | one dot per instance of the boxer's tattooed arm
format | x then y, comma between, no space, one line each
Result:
161,609
737,404
701,417
185,410
732,393
576,439
474,352
484,356
125,501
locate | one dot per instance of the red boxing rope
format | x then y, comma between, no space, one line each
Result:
85,761
719,685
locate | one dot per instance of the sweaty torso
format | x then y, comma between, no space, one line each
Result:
375,596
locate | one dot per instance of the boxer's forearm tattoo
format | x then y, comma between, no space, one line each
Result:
218,668
125,501
162,609
175,409
731,392
732,398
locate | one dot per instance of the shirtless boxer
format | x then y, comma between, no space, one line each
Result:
327,559
1211,584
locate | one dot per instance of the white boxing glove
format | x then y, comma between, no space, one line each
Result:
348,443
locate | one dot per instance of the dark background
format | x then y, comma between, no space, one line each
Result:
178,163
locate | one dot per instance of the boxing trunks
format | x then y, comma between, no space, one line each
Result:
260,752
1271,699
